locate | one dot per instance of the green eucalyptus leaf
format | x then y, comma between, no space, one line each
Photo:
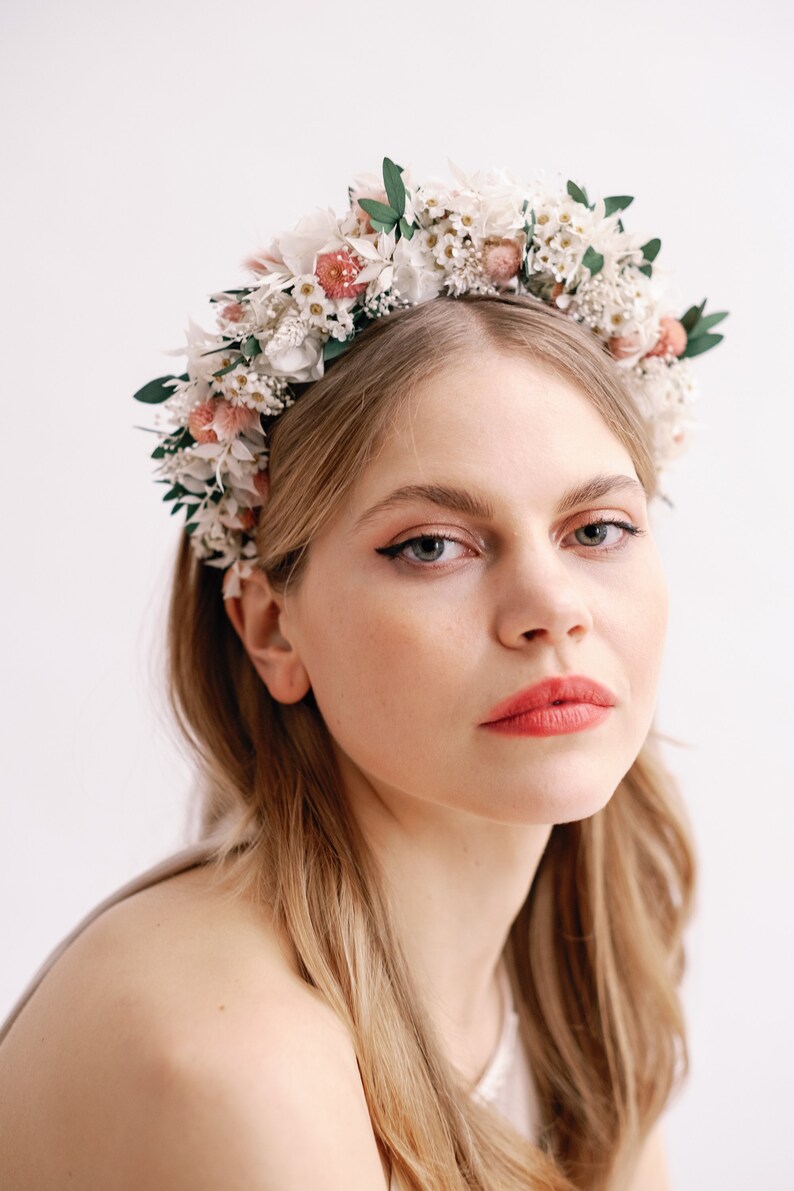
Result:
646,269
174,492
176,505
577,194
705,324
406,228
191,511
380,211
334,347
692,317
252,347
699,344
593,261
191,527
158,453
617,202
157,390
395,188
650,251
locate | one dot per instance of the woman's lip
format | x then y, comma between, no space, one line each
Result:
561,688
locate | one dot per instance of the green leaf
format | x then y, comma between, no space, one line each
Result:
380,211
646,269
174,492
619,226
577,194
177,505
157,390
406,228
191,527
692,317
395,187
252,347
699,344
334,347
650,251
190,511
593,261
705,324
617,202
158,453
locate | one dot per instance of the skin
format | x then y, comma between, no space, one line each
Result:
174,1044
407,657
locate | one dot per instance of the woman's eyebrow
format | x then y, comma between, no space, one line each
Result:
463,501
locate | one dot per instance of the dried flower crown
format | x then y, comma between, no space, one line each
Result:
400,243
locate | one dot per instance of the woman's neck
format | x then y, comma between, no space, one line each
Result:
455,883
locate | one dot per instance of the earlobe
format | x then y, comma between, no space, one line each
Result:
256,616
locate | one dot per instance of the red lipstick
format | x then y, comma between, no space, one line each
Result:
568,703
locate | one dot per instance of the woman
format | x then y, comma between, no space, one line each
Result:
429,938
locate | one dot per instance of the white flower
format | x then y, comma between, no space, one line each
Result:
298,362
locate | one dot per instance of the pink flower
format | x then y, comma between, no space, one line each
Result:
361,214
262,484
247,519
622,346
501,258
232,312
672,340
200,421
231,419
336,273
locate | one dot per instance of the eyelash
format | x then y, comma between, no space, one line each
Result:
395,551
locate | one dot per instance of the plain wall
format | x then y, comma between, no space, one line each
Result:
146,149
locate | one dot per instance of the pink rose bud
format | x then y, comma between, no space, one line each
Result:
232,312
200,421
262,484
361,215
672,340
501,258
337,272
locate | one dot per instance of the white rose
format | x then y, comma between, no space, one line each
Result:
301,362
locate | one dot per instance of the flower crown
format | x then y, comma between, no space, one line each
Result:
402,242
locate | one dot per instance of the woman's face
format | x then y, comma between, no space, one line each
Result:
407,655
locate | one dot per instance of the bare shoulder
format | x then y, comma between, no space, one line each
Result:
174,1045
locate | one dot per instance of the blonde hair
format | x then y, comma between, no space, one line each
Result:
595,955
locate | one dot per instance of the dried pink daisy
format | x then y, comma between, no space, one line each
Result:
336,273
231,419
501,258
200,421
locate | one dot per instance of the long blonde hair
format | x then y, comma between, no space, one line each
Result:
595,954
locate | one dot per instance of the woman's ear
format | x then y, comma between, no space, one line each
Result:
256,615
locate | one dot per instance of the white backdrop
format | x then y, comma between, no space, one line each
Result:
146,150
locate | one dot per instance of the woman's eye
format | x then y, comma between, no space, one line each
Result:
427,548
430,548
596,535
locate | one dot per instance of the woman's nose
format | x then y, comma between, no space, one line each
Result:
540,598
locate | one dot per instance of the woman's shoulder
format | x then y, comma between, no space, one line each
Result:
180,1010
